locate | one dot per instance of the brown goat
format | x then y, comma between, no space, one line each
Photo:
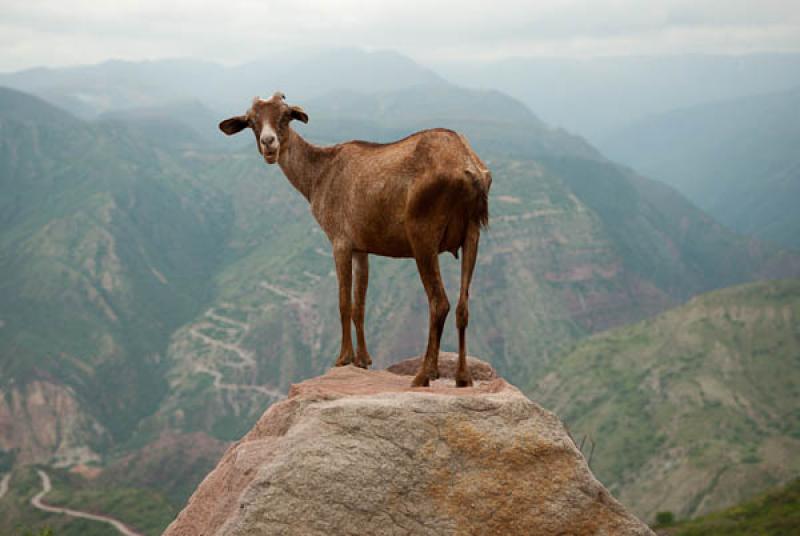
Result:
417,197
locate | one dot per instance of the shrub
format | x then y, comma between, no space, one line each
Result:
665,518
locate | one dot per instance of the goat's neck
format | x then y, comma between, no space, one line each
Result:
303,163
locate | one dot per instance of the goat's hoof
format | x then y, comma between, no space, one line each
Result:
464,381
362,360
421,380
344,360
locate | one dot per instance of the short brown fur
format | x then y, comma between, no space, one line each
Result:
416,197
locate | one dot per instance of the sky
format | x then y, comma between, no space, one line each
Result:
69,32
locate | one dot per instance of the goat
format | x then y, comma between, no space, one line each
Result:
416,197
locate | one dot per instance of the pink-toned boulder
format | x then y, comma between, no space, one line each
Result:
359,452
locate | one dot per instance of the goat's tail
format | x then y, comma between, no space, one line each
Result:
481,182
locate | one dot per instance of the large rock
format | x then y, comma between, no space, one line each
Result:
360,452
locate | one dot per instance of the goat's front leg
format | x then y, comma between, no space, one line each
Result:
361,262
343,257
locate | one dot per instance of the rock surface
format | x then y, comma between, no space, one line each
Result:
360,452
448,364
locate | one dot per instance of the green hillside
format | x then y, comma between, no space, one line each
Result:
736,159
775,513
695,409
103,255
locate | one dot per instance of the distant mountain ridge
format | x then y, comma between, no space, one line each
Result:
490,119
596,97
90,90
737,159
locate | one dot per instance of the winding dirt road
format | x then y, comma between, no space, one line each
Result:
4,484
246,358
36,501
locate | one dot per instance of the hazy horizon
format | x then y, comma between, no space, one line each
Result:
50,34
428,64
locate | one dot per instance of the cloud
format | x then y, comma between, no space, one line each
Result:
50,32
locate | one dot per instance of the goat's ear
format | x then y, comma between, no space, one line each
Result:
233,125
298,113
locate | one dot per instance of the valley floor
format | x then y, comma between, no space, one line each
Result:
38,500
47,486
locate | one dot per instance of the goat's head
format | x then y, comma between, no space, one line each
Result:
269,119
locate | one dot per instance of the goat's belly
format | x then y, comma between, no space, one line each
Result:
397,244
397,253
386,242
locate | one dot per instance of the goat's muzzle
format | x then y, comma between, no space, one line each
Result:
270,152
270,156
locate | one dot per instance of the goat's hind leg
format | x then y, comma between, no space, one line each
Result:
361,264
343,257
469,255
428,265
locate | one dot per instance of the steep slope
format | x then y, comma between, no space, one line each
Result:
103,254
736,159
695,409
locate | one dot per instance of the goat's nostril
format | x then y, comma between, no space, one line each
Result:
268,140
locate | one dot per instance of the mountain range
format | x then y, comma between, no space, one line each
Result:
90,90
160,286
594,97
599,96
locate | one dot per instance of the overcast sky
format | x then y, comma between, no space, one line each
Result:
67,32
